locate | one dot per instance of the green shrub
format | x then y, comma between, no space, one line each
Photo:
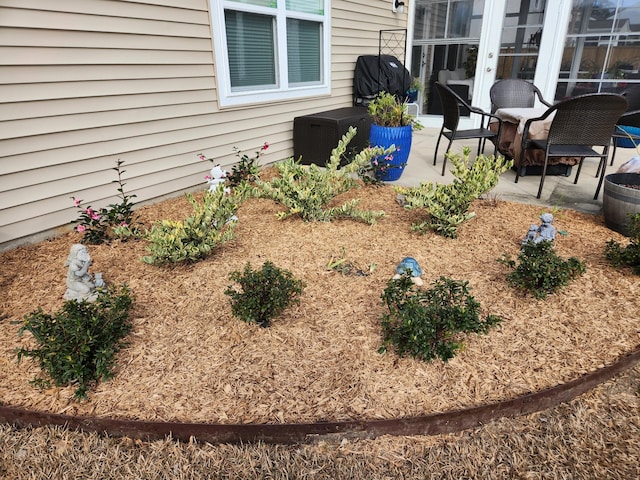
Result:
265,293
246,170
628,256
99,226
77,345
448,204
307,190
197,236
541,271
427,324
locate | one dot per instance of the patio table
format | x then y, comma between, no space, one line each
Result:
510,141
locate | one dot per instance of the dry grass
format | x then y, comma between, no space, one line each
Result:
596,436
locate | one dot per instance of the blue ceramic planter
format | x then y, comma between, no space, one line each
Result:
385,137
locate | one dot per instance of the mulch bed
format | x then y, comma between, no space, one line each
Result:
190,360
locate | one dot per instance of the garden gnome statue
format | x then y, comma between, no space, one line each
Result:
80,284
411,265
218,177
546,231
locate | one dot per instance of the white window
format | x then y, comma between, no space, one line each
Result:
269,50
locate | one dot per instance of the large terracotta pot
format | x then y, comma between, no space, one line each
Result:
385,137
619,200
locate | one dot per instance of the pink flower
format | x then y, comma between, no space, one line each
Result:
124,224
92,214
76,201
265,146
207,177
81,228
201,156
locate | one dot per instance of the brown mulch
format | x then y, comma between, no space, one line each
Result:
189,359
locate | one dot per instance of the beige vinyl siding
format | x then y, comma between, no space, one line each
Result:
86,82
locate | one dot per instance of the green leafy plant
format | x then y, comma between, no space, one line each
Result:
99,226
246,170
77,345
387,110
308,191
345,266
448,204
264,294
429,323
541,271
629,255
197,236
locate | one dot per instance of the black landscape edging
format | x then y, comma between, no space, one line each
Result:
434,424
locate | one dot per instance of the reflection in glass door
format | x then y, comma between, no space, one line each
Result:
521,37
445,43
602,48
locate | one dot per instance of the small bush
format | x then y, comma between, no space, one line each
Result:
426,324
78,344
99,226
197,236
628,256
246,170
265,294
448,204
541,271
307,191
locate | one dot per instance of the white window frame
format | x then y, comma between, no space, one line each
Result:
283,91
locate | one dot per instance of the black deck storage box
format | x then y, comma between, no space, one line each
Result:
315,135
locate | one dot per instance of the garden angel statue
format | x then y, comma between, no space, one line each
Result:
218,177
80,284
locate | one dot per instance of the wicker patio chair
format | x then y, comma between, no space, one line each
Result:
580,123
632,94
631,118
452,105
623,136
513,92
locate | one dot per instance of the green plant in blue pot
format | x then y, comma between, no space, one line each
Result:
392,126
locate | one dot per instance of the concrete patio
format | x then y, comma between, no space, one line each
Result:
559,191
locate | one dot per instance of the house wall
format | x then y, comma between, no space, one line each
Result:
84,83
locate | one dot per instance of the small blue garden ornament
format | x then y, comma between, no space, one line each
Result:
411,265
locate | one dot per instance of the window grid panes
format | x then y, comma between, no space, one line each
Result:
520,42
602,49
287,39
307,6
